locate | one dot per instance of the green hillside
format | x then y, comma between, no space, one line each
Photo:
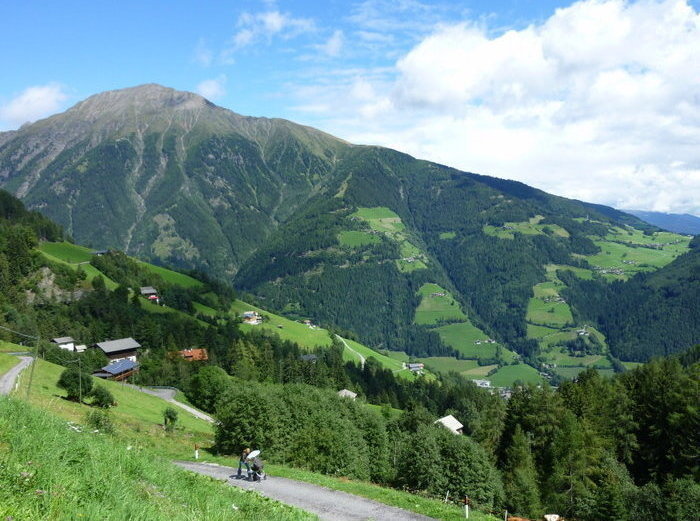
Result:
51,471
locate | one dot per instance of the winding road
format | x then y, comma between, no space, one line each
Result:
168,395
7,380
327,504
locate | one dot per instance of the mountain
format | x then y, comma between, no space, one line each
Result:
405,254
673,222
166,174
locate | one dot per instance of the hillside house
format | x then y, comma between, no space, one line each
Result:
150,293
451,424
64,342
194,355
346,393
99,252
252,318
415,367
485,384
116,350
117,371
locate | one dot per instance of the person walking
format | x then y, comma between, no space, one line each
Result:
243,461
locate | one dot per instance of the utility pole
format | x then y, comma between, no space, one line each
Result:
31,371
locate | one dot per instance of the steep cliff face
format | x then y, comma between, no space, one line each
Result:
166,174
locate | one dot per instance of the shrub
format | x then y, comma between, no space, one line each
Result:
76,383
100,420
101,397
169,419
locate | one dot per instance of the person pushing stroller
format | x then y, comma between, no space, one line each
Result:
257,465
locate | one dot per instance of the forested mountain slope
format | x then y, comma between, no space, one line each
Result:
348,235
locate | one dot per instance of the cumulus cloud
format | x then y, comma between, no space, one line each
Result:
213,88
601,102
33,103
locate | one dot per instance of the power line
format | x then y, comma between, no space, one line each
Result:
18,333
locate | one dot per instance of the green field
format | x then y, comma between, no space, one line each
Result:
552,314
381,219
9,347
353,239
7,362
530,227
631,251
170,276
581,273
467,368
434,308
463,337
534,331
66,251
508,374
448,235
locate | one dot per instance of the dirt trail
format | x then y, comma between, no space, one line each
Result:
327,504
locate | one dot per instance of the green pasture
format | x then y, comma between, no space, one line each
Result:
508,374
171,277
435,308
552,314
462,337
381,219
581,273
90,271
539,332
354,239
448,235
66,251
531,227
9,347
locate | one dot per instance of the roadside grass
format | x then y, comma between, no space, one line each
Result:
508,374
353,238
65,251
50,471
138,417
7,362
437,304
9,347
172,277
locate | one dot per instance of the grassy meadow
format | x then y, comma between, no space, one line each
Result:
508,374
437,305
52,471
7,362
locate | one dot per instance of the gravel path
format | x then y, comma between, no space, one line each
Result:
169,396
362,358
7,381
330,505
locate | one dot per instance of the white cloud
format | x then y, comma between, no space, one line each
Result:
265,25
599,102
33,103
203,55
334,45
213,88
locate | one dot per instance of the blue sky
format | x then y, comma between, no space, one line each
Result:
597,100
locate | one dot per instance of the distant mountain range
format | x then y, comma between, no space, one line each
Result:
673,222
313,226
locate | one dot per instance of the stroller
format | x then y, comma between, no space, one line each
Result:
257,472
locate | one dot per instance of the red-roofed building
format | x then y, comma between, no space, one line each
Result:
194,355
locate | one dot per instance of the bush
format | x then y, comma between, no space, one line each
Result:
76,383
100,420
101,397
169,419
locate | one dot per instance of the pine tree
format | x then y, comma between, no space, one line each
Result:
520,477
